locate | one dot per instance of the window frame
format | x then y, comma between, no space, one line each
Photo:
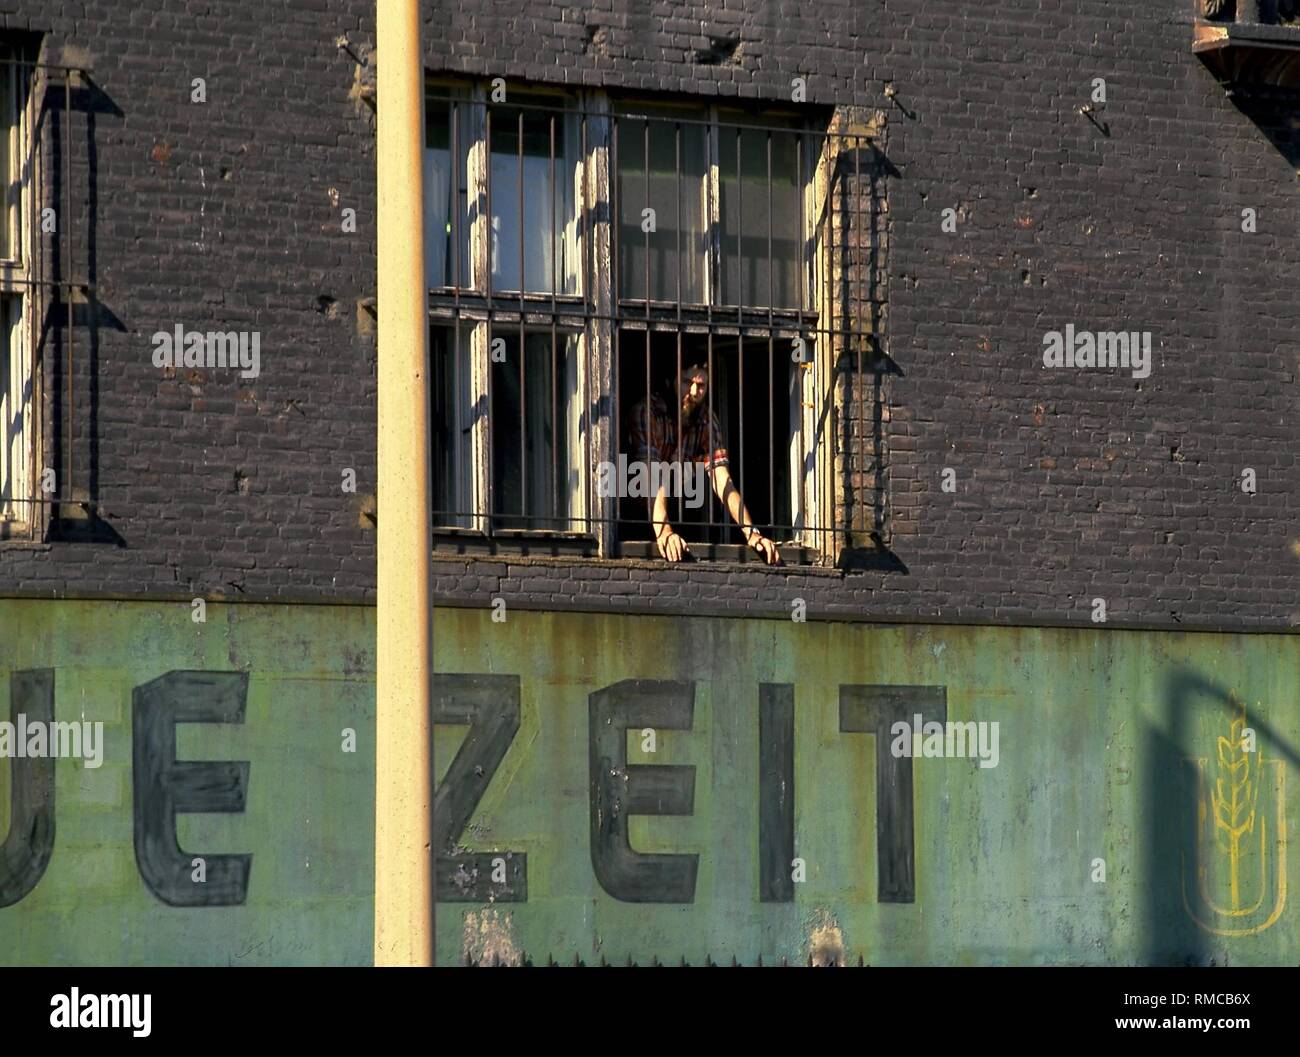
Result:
20,514
595,312
745,322
480,306
711,193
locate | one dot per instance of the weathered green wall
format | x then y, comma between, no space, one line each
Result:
308,820
1099,734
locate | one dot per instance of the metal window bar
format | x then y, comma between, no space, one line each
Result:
740,310
523,352
614,196
771,300
584,394
856,226
656,527
677,389
831,250
485,225
555,409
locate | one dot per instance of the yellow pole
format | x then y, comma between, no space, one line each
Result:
403,747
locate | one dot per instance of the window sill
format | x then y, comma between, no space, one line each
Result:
448,541
1212,35
726,553
637,314
17,534
533,543
1249,56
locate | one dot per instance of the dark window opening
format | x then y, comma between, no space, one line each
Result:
534,405
752,401
450,427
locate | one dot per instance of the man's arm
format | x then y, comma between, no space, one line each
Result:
646,436
727,491
671,545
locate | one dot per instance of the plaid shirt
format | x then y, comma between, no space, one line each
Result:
656,440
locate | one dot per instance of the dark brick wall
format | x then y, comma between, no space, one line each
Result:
224,215
1071,485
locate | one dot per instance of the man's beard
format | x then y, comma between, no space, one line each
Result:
690,411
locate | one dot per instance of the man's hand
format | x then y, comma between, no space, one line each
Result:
671,546
729,494
765,547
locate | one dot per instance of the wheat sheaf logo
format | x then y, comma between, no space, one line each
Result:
1240,837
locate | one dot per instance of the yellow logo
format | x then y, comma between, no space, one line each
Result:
1241,843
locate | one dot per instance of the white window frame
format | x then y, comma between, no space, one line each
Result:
19,396
472,489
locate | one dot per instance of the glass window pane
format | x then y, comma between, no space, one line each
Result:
445,189
451,450
543,169
649,261
8,134
760,217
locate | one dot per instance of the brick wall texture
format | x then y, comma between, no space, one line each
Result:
1071,484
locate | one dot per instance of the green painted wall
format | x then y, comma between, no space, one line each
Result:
308,820
1099,737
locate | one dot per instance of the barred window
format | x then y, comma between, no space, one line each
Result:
584,253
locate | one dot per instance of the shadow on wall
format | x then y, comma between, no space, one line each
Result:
1249,48
1275,119
1191,785
1171,937
72,264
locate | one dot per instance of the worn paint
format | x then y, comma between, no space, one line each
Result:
488,939
1113,748
825,942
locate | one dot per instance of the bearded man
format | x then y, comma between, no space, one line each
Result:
654,439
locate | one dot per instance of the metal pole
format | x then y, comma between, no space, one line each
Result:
403,744
66,291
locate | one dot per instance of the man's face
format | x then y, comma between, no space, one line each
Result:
695,391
